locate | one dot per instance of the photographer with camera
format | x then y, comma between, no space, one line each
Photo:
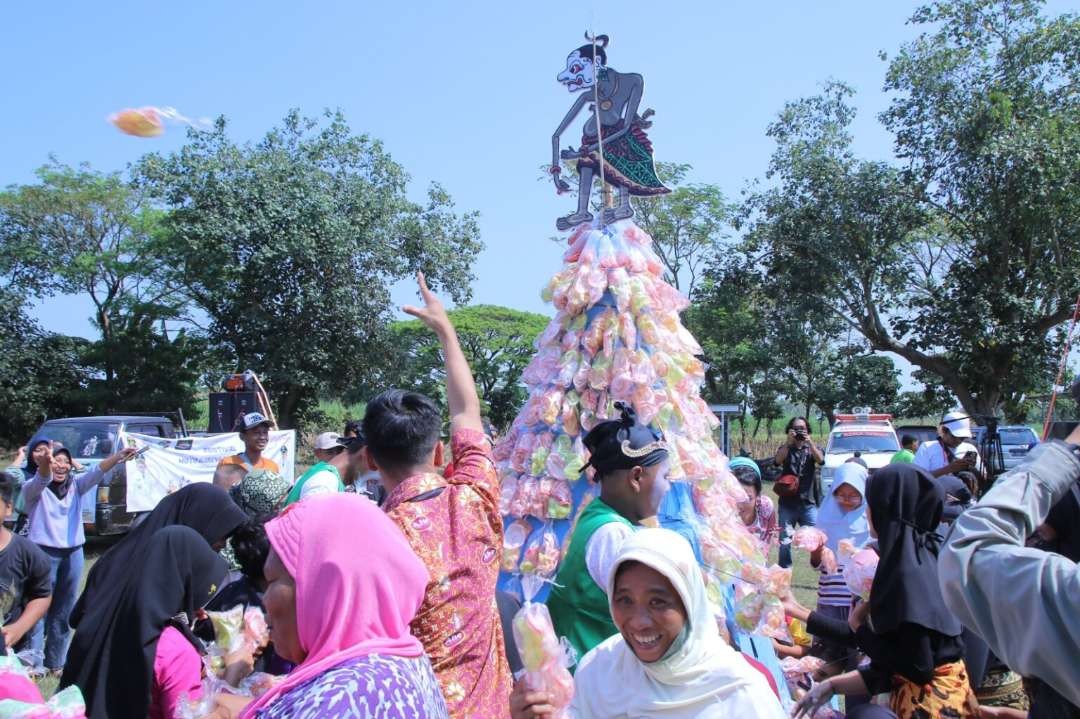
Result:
1021,600
797,486
953,461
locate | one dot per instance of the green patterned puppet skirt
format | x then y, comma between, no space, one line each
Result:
628,160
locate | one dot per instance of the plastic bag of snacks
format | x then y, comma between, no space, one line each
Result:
256,631
749,606
560,502
542,553
513,540
544,658
859,572
23,699
809,539
228,628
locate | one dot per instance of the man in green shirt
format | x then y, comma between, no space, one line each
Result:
906,455
340,467
630,463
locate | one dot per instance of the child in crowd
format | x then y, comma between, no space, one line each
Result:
25,585
201,506
453,525
54,502
630,463
757,512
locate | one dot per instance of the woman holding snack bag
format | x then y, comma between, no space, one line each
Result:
667,659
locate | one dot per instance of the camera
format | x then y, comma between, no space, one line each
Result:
800,435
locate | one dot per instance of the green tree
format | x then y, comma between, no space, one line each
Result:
858,379
727,318
929,403
987,120
963,261
41,374
688,225
498,342
153,370
289,246
80,231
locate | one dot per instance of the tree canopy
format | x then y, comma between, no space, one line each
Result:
960,257
289,246
498,342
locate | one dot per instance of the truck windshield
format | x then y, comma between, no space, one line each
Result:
1023,436
861,441
84,440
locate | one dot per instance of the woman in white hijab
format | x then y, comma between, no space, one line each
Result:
668,659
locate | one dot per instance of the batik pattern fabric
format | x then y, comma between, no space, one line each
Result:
454,526
949,696
628,160
374,686
1003,687
764,526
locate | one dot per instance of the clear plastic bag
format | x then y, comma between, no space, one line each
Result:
544,657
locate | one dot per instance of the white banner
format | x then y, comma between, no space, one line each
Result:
170,464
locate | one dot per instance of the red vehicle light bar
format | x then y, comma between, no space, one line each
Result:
863,418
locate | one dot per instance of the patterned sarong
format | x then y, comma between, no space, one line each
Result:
628,160
949,696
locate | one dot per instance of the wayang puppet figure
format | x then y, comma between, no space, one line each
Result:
627,152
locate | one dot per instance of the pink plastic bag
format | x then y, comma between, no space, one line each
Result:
859,572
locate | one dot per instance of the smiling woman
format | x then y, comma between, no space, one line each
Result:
668,657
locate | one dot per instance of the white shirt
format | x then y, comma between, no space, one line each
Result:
602,549
931,455
323,482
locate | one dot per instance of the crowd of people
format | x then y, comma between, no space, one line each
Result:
377,569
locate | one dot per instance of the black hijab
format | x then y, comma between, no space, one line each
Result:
906,505
201,506
30,470
60,489
112,654
623,443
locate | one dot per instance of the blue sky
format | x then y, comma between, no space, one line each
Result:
462,92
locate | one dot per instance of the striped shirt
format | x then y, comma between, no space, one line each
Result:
832,589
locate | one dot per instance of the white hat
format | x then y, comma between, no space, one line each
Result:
958,423
252,420
328,440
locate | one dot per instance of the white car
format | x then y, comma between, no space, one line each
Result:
871,435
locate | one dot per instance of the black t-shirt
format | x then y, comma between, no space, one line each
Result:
24,576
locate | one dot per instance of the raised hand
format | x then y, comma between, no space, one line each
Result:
433,313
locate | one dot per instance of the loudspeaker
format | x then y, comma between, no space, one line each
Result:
227,407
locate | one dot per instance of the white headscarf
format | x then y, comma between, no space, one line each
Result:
703,678
834,521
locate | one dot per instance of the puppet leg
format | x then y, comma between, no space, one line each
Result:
582,214
623,211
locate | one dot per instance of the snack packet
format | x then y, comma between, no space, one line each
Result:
545,659
859,572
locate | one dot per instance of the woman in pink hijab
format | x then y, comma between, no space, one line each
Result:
343,587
